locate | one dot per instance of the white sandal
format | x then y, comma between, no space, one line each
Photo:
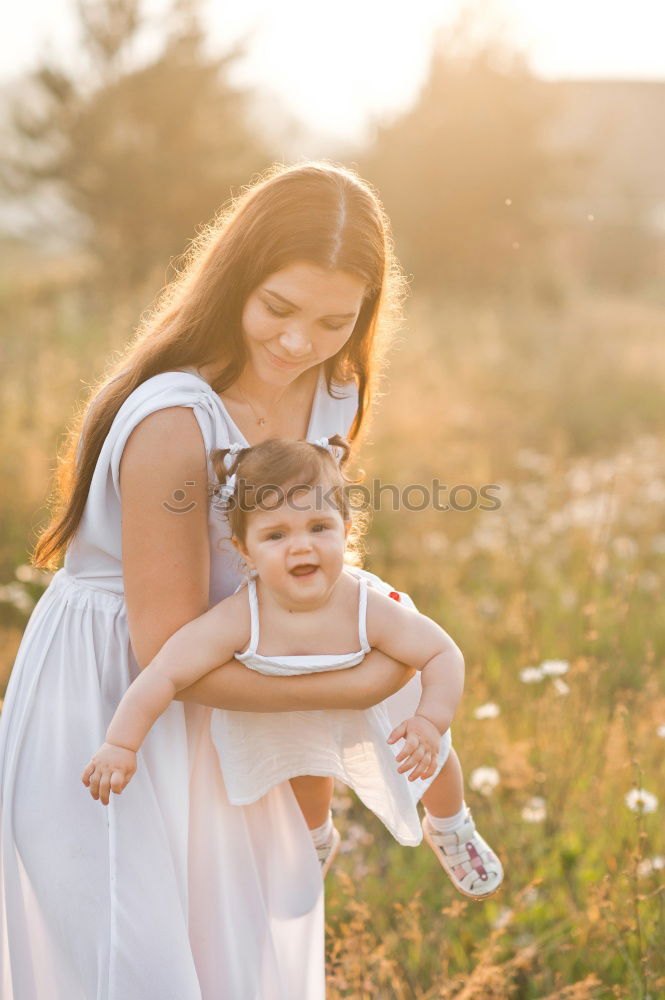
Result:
471,864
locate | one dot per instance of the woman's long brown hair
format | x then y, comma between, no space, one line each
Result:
315,211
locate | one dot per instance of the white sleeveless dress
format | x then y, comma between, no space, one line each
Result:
259,750
169,892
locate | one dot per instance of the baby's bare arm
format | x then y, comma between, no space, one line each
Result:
419,642
193,651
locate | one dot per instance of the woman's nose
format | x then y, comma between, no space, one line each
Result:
296,343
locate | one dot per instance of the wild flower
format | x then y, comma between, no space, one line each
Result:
15,594
625,547
554,668
655,491
488,606
30,574
503,919
661,732
560,686
531,675
535,810
658,545
649,581
650,865
530,895
341,802
484,780
639,800
488,711
356,835
435,541
533,461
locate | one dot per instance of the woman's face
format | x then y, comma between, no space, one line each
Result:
297,318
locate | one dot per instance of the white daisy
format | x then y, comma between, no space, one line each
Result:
639,800
487,711
661,732
535,810
650,865
14,593
484,780
560,686
658,545
554,668
503,919
531,675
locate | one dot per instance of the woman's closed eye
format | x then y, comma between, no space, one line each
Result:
278,312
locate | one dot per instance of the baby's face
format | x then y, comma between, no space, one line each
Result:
298,548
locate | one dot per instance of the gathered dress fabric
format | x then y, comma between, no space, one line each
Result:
170,892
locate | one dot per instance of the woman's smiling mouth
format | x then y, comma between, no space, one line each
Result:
283,364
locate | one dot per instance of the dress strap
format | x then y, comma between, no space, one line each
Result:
253,614
362,615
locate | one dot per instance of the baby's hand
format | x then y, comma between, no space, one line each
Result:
109,770
421,746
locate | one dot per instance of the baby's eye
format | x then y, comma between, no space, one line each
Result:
274,535
320,527
332,326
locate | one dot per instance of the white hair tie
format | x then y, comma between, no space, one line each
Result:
335,450
232,452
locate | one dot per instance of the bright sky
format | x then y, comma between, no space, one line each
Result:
335,66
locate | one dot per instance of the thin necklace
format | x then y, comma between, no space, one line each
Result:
260,420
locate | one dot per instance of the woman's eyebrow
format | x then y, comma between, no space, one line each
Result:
286,301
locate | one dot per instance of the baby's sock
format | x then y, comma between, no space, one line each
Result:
446,824
322,834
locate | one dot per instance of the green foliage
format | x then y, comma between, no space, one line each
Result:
467,173
570,567
141,153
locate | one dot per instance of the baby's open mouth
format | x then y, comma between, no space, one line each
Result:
305,570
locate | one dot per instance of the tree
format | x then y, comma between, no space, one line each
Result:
467,174
141,153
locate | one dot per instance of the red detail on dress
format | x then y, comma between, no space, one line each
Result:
395,596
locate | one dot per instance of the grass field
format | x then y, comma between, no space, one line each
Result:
555,598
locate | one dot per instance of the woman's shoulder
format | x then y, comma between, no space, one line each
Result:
159,393
179,384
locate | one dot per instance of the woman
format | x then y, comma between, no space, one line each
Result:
275,328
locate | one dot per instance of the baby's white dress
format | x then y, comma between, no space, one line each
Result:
170,892
259,750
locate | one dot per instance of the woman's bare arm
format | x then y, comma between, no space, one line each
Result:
166,567
236,687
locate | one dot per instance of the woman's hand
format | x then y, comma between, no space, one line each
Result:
109,770
421,747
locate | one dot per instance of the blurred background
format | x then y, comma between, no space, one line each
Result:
519,149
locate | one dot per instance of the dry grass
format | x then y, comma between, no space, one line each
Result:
563,410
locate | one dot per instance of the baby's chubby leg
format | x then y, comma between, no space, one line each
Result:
449,829
314,795
445,795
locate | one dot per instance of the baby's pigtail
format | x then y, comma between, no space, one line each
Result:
223,468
